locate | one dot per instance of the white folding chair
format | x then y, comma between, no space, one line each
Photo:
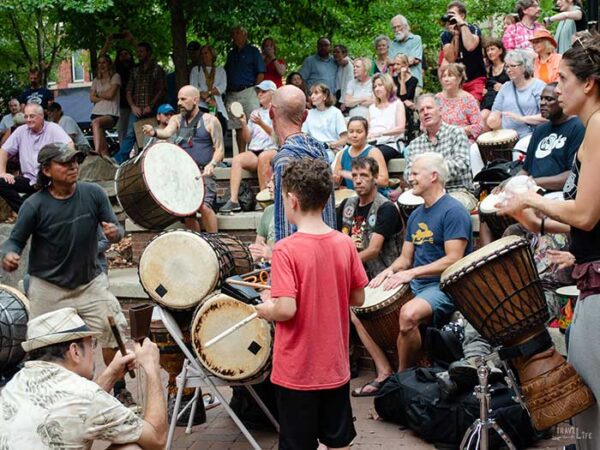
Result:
193,375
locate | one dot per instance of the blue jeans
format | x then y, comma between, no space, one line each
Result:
128,140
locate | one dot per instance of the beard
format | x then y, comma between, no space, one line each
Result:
185,112
401,36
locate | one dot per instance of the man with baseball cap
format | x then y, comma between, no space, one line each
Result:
62,220
257,132
53,403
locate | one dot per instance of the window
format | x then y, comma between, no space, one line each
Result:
77,67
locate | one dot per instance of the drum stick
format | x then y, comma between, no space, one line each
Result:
117,334
230,330
248,284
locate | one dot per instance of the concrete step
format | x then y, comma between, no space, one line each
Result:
125,284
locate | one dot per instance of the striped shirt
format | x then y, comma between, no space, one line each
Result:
297,146
452,143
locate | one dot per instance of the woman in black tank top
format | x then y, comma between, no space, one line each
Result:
579,93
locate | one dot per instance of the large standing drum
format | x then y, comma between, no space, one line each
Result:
498,290
380,313
488,213
242,356
14,315
407,203
159,185
179,268
497,144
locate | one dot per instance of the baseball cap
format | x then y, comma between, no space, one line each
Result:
58,152
266,85
165,108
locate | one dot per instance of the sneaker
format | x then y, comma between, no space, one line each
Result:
464,372
230,207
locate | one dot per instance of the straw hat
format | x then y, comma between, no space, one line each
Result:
58,326
542,33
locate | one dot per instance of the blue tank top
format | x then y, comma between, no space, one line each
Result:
196,140
347,162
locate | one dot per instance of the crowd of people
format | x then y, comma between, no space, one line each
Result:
337,121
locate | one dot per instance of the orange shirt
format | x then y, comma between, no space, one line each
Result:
547,72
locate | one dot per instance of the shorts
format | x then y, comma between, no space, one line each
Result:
115,119
210,191
249,101
93,302
440,303
305,416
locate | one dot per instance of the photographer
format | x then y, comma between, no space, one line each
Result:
462,44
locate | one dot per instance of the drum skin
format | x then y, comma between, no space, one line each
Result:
158,186
242,356
498,290
14,315
380,314
497,144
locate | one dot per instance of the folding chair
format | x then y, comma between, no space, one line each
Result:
193,375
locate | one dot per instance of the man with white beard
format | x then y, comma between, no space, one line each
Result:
409,44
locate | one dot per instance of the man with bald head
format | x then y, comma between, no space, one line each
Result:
288,112
201,136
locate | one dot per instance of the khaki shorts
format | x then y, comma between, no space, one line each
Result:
249,101
93,302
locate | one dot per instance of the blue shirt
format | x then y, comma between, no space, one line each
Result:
413,48
296,147
319,70
528,100
243,66
429,228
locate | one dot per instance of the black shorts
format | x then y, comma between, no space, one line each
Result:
305,416
115,119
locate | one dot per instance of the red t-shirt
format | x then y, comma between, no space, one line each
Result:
311,349
272,74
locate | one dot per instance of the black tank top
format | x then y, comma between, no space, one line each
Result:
585,245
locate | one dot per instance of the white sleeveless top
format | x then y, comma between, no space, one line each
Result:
381,120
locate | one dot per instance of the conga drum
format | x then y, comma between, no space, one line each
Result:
242,356
179,268
497,144
380,313
498,290
488,213
407,203
159,185
342,194
14,315
265,198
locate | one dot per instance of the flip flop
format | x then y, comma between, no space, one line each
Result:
361,392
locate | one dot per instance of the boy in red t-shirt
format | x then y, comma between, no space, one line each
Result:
316,275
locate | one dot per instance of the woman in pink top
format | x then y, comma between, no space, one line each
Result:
275,67
547,60
458,107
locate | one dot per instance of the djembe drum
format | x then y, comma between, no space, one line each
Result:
497,144
407,203
488,214
14,315
498,290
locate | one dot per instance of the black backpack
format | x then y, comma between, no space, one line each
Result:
495,172
412,398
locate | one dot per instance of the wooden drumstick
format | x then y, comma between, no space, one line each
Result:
117,335
248,284
230,330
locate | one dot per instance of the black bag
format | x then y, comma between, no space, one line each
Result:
246,197
246,408
497,171
412,398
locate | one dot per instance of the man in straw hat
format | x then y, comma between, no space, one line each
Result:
53,402
62,220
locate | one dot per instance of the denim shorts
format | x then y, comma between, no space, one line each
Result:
440,303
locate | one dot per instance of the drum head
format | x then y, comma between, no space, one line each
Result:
343,194
409,199
173,179
479,257
465,199
236,109
178,269
555,196
264,196
14,315
568,291
487,206
498,137
241,355
378,297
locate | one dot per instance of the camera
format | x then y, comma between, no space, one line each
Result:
448,18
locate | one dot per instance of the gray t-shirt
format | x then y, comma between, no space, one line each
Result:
64,234
72,129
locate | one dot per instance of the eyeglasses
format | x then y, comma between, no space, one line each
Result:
585,49
514,66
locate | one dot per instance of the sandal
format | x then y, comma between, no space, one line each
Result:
362,393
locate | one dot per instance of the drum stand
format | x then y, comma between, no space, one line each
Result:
479,430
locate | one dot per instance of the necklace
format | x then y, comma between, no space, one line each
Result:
591,115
